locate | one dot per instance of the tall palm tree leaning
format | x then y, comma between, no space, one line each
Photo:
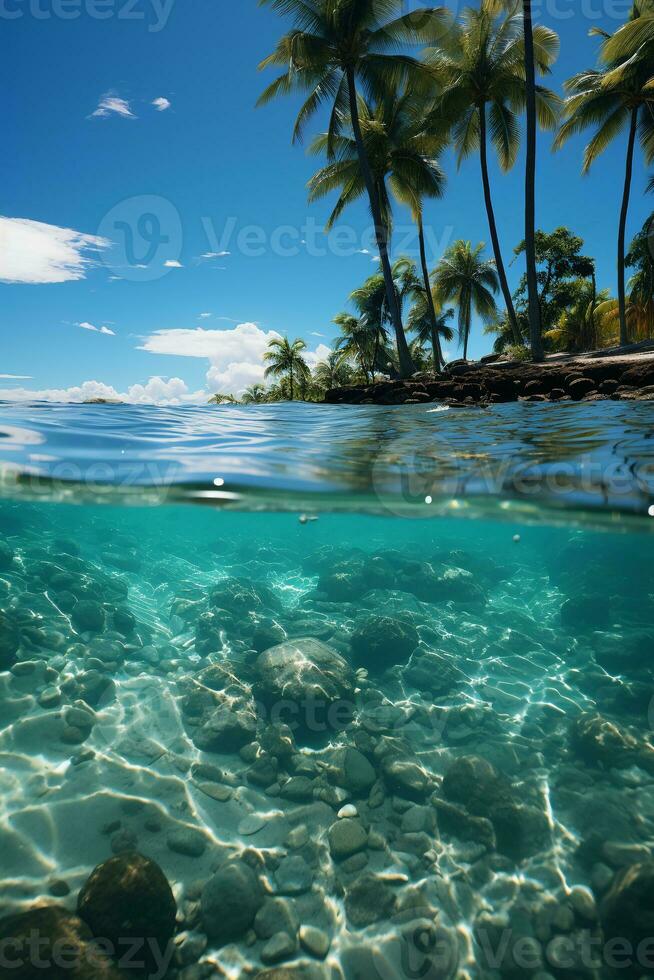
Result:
284,357
614,99
480,70
331,46
462,276
399,151
421,322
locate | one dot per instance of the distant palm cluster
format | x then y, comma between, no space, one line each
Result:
576,316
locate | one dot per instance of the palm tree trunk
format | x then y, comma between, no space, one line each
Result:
291,379
467,318
490,211
593,324
622,305
407,366
436,352
535,328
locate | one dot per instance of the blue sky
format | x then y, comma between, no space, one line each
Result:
212,168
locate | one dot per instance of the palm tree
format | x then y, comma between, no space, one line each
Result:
399,152
333,372
421,322
221,399
462,276
284,357
334,44
254,395
480,70
615,99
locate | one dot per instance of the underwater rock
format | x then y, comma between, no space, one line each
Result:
294,876
266,635
279,947
128,899
88,616
346,837
445,584
602,742
238,595
432,673
354,772
369,900
187,841
230,901
380,642
9,640
627,915
62,938
276,915
228,727
407,778
520,829
124,621
307,685
353,578
6,556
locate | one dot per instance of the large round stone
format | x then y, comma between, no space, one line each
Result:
306,685
127,899
380,642
230,902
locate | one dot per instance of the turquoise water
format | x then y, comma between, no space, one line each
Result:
360,736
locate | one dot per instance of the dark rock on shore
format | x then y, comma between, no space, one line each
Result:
469,383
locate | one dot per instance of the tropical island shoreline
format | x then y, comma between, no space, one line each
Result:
599,376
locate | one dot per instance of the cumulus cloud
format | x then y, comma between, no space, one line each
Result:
161,104
172,264
157,391
313,357
34,252
89,326
235,355
111,105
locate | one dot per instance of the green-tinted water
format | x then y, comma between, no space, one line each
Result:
356,746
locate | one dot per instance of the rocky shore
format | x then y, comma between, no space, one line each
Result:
490,381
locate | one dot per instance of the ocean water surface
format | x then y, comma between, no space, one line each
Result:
327,692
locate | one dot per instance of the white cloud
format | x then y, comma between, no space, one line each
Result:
363,251
203,316
89,326
316,334
321,353
15,377
214,255
161,104
34,252
235,355
157,391
111,105
173,264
